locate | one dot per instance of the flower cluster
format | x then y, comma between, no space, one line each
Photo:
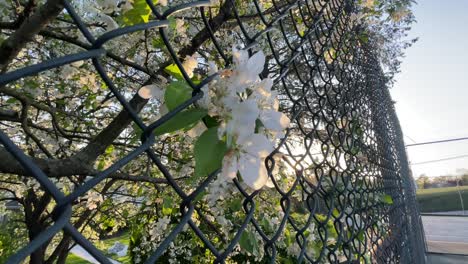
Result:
249,118
93,199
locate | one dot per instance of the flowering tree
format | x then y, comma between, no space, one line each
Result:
232,139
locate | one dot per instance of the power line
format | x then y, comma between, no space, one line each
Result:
414,141
437,141
439,160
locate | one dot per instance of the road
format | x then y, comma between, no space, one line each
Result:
445,234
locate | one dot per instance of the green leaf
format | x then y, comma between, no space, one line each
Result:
387,199
248,242
364,38
317,246
172,23
258,125
180,121
331,229
336,213
109,149
209,152
167,206
235,205
361,236
101,164
199,196
139,13
266,224
158,43
11,101
176,93
210,121
174,71
330,226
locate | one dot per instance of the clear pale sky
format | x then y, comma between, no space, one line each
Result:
432,90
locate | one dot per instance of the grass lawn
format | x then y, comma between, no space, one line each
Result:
74,259
442,199
104,245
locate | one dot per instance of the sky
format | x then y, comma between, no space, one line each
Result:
432,89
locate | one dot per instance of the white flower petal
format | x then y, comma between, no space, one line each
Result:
265,97
258,145
151,91
239,130
275,103
231,101
221,131
239,56
230,166
212,68
274,120
253,171
247,69
189,64
204,102
256,63
242,123
262,92
266,84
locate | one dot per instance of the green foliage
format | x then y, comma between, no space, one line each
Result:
167,207
248,242
12,237
330,226
210,121
235,205
387,199
181,120
209,152
361,236
74,259
11,101
176,93
174,71
139,13
442,199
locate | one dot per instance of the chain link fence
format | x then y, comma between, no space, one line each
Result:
341,190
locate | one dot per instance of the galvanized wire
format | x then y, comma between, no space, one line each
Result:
332,87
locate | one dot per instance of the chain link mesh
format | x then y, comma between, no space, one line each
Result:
344,146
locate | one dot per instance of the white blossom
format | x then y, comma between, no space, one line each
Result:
152,91
248,160
93,199
109,5
247,69
250,120
189,64
242,123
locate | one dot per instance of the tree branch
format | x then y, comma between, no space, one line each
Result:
97,146
55,168
28,29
